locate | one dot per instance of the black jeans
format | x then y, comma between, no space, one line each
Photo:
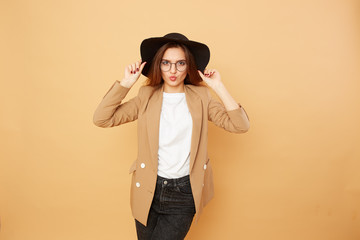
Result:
171,212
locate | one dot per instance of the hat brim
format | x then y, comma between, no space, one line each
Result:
150,46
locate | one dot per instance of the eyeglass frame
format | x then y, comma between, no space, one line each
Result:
172,64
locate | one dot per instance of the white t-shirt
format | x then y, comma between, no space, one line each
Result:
174,136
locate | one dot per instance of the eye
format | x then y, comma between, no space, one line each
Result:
164,62
182,63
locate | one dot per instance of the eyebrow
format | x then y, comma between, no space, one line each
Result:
176,61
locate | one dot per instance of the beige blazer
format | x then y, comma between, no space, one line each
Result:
146,108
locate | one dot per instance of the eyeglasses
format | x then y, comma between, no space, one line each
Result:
166,65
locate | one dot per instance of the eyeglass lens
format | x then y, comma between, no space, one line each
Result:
166,65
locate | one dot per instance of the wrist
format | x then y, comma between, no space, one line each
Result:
219,88
126,83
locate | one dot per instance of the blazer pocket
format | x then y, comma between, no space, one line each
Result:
133,167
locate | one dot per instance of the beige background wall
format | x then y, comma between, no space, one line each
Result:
294,65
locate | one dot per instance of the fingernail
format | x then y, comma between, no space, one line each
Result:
137,69
131,72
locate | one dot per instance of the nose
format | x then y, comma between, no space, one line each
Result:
173,68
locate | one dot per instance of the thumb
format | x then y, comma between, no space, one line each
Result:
201,75
142,66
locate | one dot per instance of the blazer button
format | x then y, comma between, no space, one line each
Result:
137,184
142,165
205,166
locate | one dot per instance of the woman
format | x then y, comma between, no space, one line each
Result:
172,175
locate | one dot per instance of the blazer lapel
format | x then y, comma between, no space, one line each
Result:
195,107
153,122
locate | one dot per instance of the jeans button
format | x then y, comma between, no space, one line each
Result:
165,182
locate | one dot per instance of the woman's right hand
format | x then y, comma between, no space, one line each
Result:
132,74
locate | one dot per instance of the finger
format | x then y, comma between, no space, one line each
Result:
142,66
133,68
201,75
128,69
206,72
205,79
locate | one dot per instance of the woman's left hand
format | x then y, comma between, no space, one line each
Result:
211,77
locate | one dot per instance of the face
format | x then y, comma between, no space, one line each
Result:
174,79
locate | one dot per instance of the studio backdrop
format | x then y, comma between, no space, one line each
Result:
293,65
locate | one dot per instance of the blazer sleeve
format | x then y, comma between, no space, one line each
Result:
235,121
112,112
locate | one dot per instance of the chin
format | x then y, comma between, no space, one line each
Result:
175,84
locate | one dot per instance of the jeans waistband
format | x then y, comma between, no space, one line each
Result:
172,181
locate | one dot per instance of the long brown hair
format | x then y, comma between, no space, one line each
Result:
154,76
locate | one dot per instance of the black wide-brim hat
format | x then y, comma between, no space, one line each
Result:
150,46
